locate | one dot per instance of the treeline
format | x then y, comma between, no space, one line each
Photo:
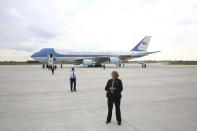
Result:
18,62
182,62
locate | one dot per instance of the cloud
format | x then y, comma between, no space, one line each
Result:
14,55
94,25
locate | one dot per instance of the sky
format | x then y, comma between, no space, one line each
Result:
27,26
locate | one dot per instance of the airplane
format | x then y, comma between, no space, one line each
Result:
50,56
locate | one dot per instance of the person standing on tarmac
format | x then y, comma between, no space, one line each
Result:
52,69
104,66
72,78
114,88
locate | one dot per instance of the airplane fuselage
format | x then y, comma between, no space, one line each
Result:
73,57
52,56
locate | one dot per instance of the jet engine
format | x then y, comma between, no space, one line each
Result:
114,60
88,62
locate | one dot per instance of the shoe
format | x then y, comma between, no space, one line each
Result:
119,123
107,122
75,90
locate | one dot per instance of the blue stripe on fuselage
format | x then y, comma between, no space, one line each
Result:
46,51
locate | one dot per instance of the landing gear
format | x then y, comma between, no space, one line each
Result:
98,65
90,66
121,65
95,65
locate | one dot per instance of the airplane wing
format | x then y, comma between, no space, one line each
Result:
127,57
95,59
148,53
101,59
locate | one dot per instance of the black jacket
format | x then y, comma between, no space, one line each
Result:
117,84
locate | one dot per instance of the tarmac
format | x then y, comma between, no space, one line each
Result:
157,98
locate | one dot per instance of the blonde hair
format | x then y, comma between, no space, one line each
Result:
115,73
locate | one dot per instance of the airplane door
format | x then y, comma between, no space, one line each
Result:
50,60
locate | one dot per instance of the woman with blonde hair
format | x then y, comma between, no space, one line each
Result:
114,88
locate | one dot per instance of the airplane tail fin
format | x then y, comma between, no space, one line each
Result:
143,44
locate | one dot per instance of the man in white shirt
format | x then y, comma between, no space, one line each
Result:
72,80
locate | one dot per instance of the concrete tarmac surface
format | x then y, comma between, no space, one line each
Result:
158,98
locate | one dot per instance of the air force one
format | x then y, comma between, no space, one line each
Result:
50,56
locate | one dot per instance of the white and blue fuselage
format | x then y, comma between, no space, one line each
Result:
90,58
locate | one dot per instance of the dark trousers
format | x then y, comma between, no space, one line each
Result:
72,83
116,101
